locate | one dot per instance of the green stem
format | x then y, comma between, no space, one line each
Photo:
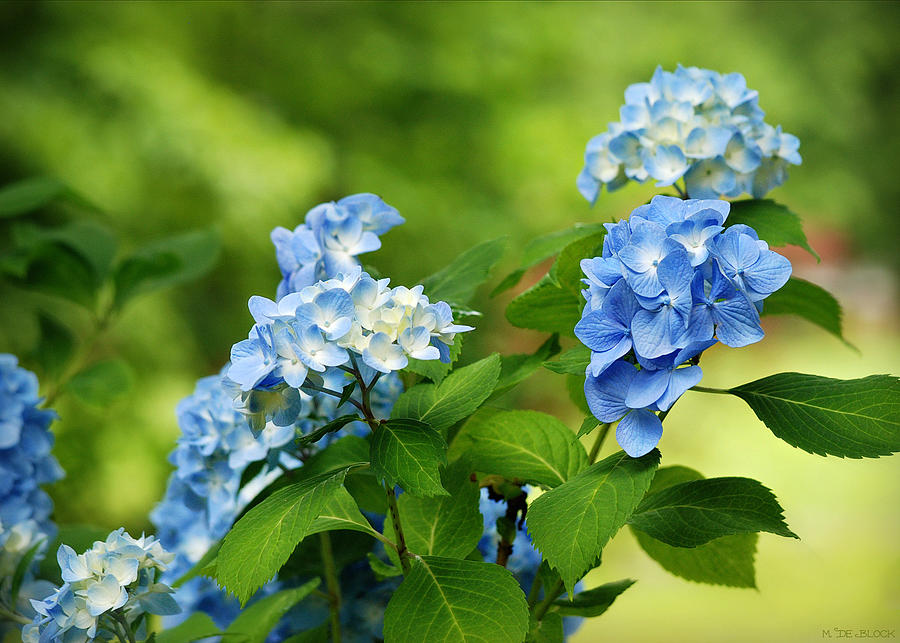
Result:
120,618
598,442
333,585
328,391
15,617
535,590
398,528
103,322
706,389
541,610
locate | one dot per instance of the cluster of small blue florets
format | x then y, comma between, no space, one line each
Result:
692,123
328,241
25,464
205,493
671,282
113,583
208,489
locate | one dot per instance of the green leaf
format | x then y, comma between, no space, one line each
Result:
341,453
263,539
22,568
724,561
516,368
547,307
381,568
693,513
573,362
457,397
341,512
509,281
773,222
28,195
550,244
55,347
434,369
847,418
57,270
409,453
587,425
255,622
547,630
544,247
449,525
456,601
575,388
571,524
809,301
166,263
92,242
319,634
101,383
523,446
566,272
458,282
592,602
197,626
335,425
346,393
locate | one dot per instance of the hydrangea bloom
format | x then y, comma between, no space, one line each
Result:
25,464
204,495
113,578
694,124
329,240
671,282
525,560
305,335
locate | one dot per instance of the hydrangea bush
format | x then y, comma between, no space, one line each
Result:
352,475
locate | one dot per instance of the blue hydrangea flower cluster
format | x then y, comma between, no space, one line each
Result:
693,123
524,561
115,576
25,464
671,282
326,326
328,241
204,495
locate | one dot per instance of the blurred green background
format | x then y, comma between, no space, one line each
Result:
471,119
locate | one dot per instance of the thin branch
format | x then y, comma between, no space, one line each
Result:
333,585
598,443
706,389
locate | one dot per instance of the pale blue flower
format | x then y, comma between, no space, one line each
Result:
646,249
607,330
672,281
383,355
639,430
748,262
666,164
710,178
113,576
254,359
692,123
331,311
